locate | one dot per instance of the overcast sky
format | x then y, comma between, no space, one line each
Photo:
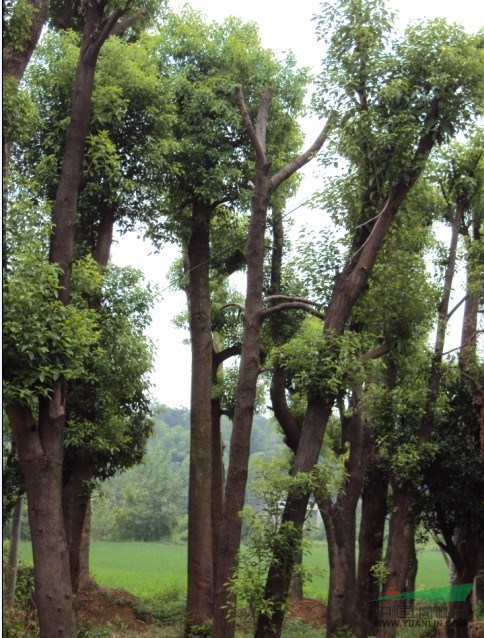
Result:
283,26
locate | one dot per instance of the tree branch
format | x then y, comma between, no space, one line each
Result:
249,127
291,305
378,352
297,163
232,305
457,306
122,25
262,116
227,353
289,298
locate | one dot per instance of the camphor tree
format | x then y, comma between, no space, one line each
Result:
36,406
116,187
397,106
207,186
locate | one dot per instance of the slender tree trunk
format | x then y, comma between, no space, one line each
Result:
13,553
249,370
76,496
40,448
200,559
218,472
86,582
372,530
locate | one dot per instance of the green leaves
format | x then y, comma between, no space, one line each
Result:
318,364
43,339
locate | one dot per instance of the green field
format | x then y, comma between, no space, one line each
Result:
149,569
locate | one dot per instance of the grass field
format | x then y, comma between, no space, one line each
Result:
149,569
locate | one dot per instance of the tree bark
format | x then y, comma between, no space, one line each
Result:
86,582
218,470
40,448
249,370
340,524
200,558
76,496
13,553
370,542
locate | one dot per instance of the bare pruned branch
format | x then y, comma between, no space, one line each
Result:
291,305
254,138
226,353
457,306
303,159
289,298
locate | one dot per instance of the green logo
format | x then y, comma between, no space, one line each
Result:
450,594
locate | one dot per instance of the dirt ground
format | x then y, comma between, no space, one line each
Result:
101,606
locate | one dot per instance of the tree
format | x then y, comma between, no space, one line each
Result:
387,135
265,186
206,187
40,441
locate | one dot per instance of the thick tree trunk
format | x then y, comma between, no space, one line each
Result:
465,562
370,542
40,450
218,470
399,552
13,553
76,496
200,559
340,523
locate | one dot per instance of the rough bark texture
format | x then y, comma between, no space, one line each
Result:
40,448
200,560
13,553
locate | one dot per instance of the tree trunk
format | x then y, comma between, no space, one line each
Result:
13,553
465,562
200,559
86,582
402,525
249,370
399,551
41,454
76,496
40,445
296,589
218,471
370,542
340,524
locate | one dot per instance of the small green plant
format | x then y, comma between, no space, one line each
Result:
344,632
295,628
379,573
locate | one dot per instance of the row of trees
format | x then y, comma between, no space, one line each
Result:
182,128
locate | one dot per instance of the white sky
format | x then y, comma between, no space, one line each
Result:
283,26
